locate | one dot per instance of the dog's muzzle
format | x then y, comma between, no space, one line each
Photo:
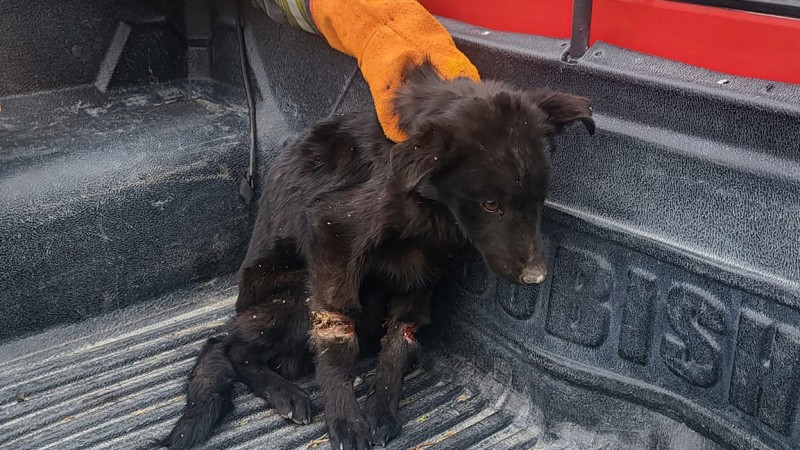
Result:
533,275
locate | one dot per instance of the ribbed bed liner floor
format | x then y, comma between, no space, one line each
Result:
117,382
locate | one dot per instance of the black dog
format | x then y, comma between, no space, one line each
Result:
352,234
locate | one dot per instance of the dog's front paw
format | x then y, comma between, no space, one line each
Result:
384,426
349,434
292,402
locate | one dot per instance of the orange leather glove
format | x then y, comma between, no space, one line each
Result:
382,35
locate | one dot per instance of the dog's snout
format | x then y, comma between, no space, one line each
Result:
533,275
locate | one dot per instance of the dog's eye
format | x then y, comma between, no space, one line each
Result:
491,206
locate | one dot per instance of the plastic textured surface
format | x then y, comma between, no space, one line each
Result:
98,191
72,42
116,382
671,318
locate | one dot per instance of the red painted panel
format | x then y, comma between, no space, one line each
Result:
552,18
729,41
733,42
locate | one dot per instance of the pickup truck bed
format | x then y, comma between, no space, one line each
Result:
117,381
671,319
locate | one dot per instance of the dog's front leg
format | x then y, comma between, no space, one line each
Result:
398,349
334,288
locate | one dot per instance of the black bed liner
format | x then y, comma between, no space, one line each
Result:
94,184
117,382
671,319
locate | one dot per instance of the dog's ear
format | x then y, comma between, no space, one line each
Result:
418,157
563,109
423,97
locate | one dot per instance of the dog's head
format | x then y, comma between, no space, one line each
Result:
483,150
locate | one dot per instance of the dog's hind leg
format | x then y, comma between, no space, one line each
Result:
398,349
276,270
263,339
208,397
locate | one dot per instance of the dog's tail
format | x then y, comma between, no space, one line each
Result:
208,397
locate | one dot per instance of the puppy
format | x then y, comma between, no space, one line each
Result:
353,233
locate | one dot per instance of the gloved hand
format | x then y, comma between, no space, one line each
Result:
382,35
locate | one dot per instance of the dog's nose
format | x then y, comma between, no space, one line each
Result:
533,276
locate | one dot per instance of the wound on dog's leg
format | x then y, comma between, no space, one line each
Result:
408,331
329,325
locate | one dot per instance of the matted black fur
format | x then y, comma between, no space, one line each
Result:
352,235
